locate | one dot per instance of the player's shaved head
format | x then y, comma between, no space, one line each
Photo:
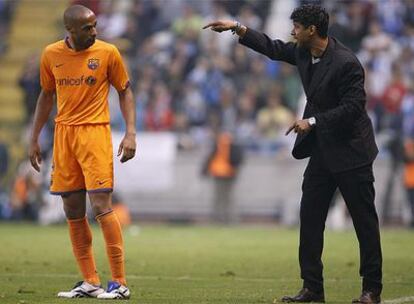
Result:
80,22
74,14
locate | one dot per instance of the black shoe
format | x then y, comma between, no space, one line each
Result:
305,296
368,297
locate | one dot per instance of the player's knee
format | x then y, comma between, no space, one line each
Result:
100,203
73,213
99,209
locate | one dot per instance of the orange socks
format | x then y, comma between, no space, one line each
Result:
81,237
114,245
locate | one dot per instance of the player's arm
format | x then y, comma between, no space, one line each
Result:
43,108
128,143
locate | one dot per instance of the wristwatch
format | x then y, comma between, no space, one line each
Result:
236,27
312,121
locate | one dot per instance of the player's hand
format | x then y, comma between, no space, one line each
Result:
128,147
221,25
34,155
300,127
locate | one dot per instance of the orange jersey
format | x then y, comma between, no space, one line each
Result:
220,164
81,80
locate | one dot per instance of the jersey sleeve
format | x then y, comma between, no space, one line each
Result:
47,80
117,73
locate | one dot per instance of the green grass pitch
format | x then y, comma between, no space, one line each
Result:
197,264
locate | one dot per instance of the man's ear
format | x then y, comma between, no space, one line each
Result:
312,29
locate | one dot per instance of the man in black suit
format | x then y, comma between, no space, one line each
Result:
337,134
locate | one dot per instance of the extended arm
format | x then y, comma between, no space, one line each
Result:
43,108
274,49
225,25
128,143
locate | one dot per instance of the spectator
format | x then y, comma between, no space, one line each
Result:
194,106
112,22
189,24
6,11
4,160
290,83
26,194
246,125
30,84
272,121
408,135
158,115
4,168
247,16
222,164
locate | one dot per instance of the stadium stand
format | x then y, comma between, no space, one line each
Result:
32,25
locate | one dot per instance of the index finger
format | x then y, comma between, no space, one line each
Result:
290,129
210,24
35,165
121,147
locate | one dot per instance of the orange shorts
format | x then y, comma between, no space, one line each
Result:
82,159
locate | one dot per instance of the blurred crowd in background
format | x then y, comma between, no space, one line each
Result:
185,79
6,10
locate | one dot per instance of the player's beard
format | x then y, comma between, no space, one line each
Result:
90,42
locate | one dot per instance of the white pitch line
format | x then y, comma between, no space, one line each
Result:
155,278
160,277
399,300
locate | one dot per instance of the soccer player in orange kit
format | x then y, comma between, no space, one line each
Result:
79,71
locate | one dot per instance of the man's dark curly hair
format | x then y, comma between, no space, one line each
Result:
311,14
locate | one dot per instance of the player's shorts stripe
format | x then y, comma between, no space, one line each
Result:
100,190
66,192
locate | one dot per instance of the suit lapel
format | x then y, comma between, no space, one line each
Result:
321,70
304,62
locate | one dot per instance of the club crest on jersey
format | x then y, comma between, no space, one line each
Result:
93,63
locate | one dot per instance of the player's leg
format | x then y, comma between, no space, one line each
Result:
81,236
102,206
112,232
80,233
95,153
68,182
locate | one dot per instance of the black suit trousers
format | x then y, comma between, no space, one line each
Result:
357,189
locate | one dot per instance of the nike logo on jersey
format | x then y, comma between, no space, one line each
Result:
59,65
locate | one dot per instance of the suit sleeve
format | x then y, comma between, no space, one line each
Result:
47,79
352,99
274,49
117,72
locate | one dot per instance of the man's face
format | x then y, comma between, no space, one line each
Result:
83,31
301,34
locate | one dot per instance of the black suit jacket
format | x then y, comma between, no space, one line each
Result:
335,97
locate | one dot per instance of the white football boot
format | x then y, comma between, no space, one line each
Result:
82,289
115,291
